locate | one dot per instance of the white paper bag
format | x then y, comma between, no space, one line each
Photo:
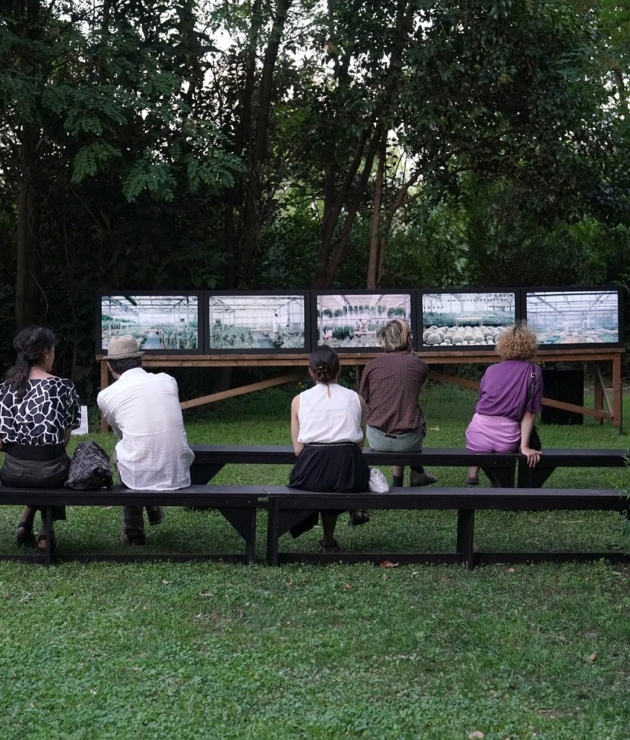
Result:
378,482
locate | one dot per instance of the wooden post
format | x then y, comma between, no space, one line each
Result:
617,393
104,384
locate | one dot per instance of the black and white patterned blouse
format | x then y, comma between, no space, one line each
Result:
50,406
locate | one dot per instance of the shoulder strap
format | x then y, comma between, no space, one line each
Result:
530,387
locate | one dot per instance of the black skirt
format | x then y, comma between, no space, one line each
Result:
335,468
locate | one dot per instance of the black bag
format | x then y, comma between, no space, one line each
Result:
534,438
89,468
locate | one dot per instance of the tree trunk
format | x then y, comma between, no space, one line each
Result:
27,238
26,285
250,229
374,259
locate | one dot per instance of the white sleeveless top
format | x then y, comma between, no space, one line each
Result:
329,419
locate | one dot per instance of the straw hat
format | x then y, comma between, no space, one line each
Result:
123,347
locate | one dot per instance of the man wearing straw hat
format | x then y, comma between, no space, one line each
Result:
143,409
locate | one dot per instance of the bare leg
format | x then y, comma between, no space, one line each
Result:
24,534
28,516
329,522
473,475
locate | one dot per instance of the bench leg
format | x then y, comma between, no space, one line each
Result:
243,519
48,528
531,477
501,477
466,536
273,532
201,474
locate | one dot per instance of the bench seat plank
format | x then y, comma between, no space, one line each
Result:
237,504
209,459
501,468
288,507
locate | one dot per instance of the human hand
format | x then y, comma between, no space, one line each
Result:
533,456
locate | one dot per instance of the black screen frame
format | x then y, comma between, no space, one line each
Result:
483,348
158,293
568,346
304,294
367,349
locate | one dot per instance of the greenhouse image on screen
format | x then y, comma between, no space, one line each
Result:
354,320
466,319
574,317
242,322
158,322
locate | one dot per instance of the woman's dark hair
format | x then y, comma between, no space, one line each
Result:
30,344
324,364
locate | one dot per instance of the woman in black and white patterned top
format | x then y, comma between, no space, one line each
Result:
37,414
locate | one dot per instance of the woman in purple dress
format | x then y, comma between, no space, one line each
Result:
510,394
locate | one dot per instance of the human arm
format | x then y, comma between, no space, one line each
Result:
527,424
295,425
363,420
364,385
107,413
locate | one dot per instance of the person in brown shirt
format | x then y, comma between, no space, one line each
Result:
390,386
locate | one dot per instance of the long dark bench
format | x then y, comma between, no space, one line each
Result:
567,458
238,504
288,507
210,459
501,468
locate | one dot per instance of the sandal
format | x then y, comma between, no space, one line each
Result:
41,543
24,534
359,516
329,549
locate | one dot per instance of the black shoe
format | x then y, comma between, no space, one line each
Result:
421,479
328,549
133,539
24,534
156,517
359,516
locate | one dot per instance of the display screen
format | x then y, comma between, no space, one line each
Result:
352,321
574,317
466,319
158,322
256,322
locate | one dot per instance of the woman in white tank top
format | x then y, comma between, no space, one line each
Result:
327,429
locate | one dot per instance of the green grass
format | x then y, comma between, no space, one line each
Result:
226,651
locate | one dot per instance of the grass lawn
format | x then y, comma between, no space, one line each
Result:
226,651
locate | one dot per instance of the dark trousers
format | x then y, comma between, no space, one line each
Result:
36,474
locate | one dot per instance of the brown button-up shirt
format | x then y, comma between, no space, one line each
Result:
390,386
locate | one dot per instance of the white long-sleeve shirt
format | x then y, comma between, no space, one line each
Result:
143,409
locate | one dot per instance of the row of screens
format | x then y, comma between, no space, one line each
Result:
212,322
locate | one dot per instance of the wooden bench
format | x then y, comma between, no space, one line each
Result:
288,507
501,468
567,458
238,504
210,459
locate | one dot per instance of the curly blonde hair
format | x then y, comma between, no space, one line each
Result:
395,336
517,342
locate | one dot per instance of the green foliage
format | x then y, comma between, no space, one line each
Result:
89,159
152,175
